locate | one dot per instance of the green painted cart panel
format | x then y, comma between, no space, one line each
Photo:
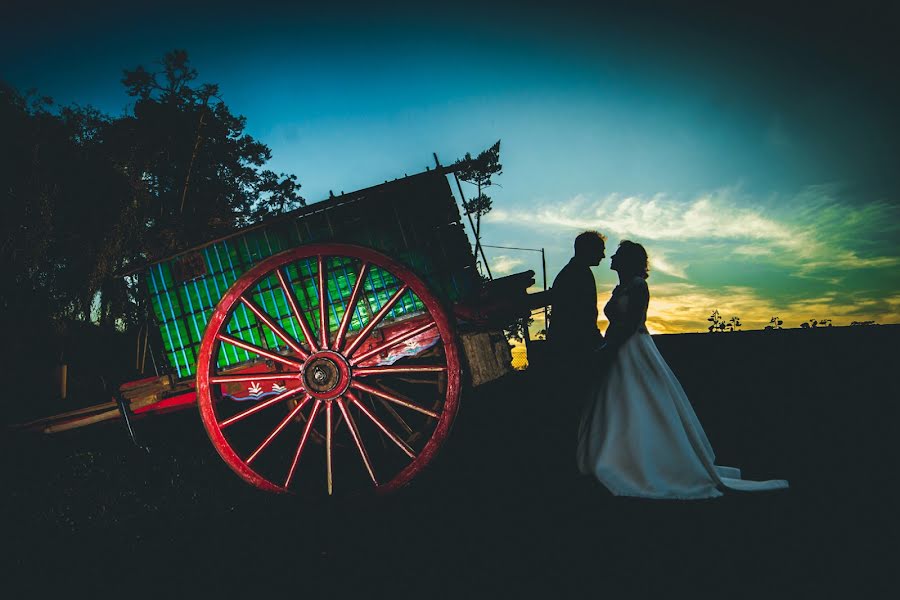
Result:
414,220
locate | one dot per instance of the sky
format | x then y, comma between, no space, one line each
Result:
753,151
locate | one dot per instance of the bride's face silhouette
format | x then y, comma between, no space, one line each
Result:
612,262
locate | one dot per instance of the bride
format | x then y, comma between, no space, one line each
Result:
638,434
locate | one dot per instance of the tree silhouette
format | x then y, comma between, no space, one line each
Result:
62,197
516,329
816,323
194,168
193,172
775,323
479,172
88,194
718,324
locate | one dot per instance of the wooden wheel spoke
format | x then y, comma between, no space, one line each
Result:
323,309
386,388
243,377
260,351
338,422
395,369
400,420
258,407
357,439
393,342
284,422
351,305
298,314
418,381
364,334
396,399
378,423
302,443
275,327
329,476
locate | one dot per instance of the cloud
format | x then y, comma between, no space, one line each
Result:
685,307
659,262
847,259
658,217
846,251
810,232
503,264
752,251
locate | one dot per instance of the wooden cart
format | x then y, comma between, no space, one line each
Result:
327,348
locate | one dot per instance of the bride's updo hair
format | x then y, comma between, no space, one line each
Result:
632,259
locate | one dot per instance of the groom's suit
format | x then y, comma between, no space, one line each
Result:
573,325
573,338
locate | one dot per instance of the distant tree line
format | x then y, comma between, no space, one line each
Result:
719,324
87,195
814,323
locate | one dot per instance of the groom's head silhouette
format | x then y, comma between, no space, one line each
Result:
590,248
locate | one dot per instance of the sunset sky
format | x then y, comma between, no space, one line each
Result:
755,154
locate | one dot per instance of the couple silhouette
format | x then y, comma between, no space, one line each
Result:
637,433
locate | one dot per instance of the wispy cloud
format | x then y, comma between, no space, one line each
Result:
660,262
749,250
660,217
503,265
704,244
811,231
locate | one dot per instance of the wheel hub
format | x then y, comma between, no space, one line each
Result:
326,375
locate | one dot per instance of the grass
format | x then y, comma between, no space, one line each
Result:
501,514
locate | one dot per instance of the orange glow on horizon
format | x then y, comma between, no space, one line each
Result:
683,308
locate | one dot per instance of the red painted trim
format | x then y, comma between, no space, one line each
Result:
180,401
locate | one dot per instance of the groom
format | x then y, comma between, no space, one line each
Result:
573,332
573,335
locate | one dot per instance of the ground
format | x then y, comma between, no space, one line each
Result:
498,516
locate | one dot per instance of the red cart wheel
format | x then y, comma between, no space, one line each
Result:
362,364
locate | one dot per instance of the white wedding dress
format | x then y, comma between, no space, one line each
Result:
639,435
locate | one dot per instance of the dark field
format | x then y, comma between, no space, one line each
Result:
500,514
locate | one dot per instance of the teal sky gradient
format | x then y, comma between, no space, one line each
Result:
754,156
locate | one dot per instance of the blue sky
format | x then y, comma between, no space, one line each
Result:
754,154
